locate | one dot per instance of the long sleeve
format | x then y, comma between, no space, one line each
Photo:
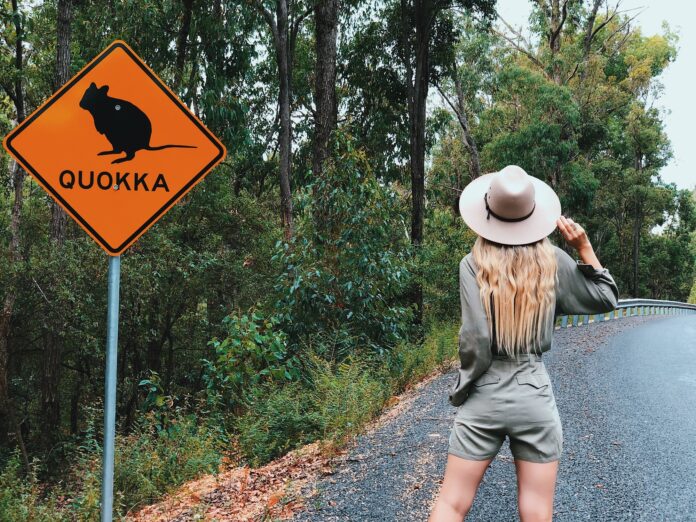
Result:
474,342
582,288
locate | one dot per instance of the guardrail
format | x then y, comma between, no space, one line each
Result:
629,308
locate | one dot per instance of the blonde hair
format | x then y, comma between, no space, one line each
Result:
520,280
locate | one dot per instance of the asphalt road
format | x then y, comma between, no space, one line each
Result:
626,393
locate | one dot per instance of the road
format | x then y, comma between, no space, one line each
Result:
626,393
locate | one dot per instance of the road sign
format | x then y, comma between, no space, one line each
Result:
115,148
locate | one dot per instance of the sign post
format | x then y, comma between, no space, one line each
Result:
107,493
116,149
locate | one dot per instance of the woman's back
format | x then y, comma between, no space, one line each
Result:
579,288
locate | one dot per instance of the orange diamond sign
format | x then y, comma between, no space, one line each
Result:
115,148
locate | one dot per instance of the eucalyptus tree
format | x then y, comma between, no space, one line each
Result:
284,19
575,106
12,68
326,19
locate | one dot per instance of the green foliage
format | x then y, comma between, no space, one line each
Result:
149,462
337,399
538,141
347,394
345,270
447,241
21,496
278,419
254,351
327,335
412,362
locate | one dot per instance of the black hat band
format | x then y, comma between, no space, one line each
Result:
501,218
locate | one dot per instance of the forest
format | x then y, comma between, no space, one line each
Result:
313,274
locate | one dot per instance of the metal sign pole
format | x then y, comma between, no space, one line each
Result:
107,492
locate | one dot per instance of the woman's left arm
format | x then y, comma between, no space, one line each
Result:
474,340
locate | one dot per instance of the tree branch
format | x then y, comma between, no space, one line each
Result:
519,48
268,16
446,98
295,27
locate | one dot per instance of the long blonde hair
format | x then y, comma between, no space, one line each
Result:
521,280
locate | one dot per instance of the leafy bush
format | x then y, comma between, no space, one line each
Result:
412,362
254,351
21,498
148,462
447,240
347,395
279,418
336,402
345,271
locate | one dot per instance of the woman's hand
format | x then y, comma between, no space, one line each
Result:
573,233
576,237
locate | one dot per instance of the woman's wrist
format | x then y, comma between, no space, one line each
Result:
588,256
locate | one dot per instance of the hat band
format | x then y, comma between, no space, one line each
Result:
485,199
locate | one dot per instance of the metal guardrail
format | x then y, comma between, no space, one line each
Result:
629,308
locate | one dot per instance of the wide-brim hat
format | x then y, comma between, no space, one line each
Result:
510,207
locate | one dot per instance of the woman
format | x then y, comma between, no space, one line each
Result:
512,286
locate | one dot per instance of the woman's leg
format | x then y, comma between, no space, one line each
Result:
462,478
536,485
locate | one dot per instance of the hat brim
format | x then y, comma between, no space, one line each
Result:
537,226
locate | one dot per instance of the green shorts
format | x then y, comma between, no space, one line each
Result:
513,399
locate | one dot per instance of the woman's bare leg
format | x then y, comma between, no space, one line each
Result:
462,478
536,485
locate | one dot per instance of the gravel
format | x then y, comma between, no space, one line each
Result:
629,423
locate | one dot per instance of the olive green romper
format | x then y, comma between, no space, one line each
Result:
497,396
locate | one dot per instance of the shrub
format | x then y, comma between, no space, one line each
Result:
254,351
344,272
334,403
347,395
21,498
447,240
412,362
279,418
149,462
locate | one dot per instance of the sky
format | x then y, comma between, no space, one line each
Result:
678,79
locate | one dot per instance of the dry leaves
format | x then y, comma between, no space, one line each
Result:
243,494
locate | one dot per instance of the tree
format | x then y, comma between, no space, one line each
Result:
52,367
14,88
326,30
284,25
422,26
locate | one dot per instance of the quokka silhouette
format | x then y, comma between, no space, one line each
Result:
127,128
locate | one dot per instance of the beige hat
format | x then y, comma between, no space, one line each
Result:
510,207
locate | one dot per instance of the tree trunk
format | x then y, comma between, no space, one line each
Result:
589,34
284,97
326,29
556,14
75,406
61,76
423,16
284,42
326,23
170,361
18,176
181,41
50,383
637,226
474,160
9,301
